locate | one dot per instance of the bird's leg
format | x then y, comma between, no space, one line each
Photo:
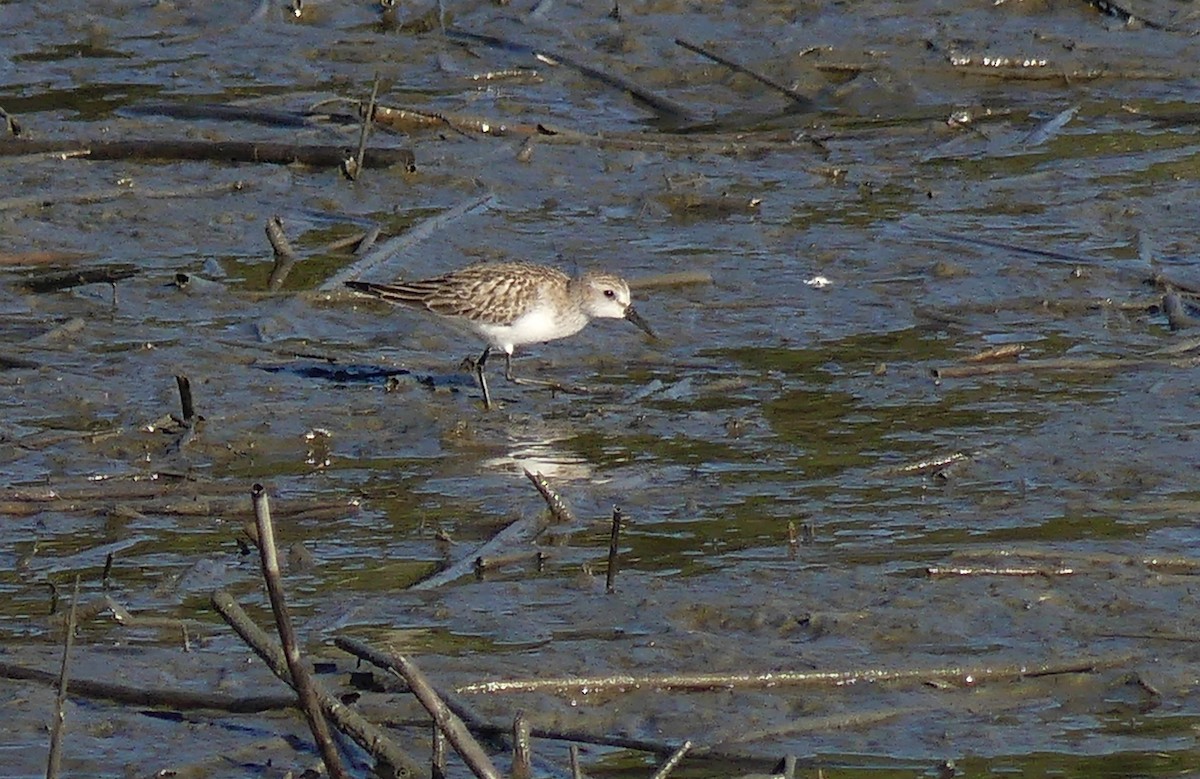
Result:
477,366
553,386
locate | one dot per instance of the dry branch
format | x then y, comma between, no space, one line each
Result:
953,675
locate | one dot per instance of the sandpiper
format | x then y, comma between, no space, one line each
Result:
510,304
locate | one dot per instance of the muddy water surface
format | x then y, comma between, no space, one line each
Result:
933,160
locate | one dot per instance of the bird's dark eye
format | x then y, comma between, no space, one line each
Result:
608,293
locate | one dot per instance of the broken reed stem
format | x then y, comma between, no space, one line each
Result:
522,759
675,759
437,757
558,509
614,541
302,679
576,771
953,675
368,118
802,102
58,729
447,715
285,255
186,403
447,721
371,738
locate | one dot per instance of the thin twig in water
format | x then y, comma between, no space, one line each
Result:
302,679
664,107
58,729
675,759
614,545
802,102
367,120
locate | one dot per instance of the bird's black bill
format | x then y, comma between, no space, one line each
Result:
637,320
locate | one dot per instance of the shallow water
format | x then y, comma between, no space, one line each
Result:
767,401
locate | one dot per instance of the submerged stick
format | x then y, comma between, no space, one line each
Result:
802,102
614,542
1097,365
142,697
301,677
57,282
210,151
54,759
664,107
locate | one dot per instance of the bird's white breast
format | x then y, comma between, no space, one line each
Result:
535,326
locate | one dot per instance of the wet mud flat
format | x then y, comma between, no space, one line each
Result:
908,480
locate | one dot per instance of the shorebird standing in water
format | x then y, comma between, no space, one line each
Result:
510,304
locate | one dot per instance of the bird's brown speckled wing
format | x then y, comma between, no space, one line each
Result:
490,293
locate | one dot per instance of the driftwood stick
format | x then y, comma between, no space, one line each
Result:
952,675
675,759
58,729
614,546
559,512
302,679
285,256
802,102
366,735
1097,365
936,572
212,151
